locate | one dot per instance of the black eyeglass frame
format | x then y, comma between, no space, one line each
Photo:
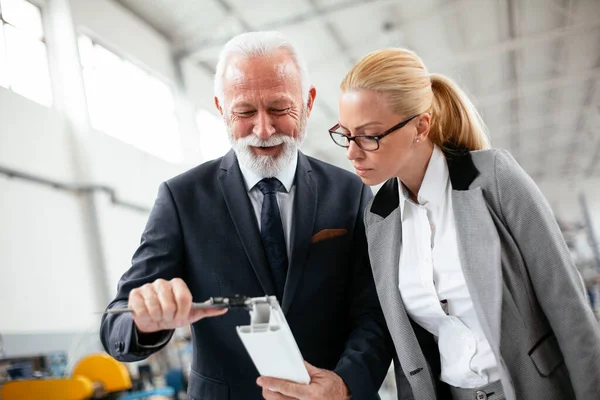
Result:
375,138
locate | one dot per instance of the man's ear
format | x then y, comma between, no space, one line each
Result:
312,94
218,105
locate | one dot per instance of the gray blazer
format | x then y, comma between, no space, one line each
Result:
525,288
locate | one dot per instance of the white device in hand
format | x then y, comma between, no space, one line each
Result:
270,342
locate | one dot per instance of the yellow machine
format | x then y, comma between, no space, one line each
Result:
94,377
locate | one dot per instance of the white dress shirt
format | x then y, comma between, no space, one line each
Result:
432,284
285,200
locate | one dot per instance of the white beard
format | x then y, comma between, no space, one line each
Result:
263,165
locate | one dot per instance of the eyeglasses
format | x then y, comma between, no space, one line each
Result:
367,143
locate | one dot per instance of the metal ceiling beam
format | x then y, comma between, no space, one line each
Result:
226,7
595,158
188,48
535,123
516,44
555,152
333,33
569,160
559,148
194,45
594,161
528,89
125,5
580,126
514,60
561,55
342,46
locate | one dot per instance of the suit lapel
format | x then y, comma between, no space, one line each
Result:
384,236
479,250
244,220
305,210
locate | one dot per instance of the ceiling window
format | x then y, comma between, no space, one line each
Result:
23,54
128,103
214,142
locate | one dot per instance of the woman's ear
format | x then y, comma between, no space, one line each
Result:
423,125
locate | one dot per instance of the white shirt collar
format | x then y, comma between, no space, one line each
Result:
285,176
403,196
434,182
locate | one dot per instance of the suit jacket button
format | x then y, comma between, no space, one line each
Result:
479,395
119,347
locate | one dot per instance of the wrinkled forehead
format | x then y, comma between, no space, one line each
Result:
269,76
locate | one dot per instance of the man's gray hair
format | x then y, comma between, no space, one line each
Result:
259,44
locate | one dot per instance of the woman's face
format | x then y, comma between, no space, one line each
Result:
365,112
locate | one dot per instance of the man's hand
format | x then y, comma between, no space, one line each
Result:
164,305
324,385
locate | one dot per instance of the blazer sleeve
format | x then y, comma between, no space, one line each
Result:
368,351
160,255
555,279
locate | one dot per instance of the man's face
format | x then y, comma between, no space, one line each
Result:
264,112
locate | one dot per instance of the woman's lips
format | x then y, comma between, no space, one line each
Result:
362,171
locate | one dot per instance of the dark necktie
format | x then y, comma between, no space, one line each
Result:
271,233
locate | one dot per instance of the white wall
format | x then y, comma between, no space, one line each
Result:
135,176
48,275
33,138
45,285
199,85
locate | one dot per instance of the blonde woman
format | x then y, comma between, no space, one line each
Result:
479,291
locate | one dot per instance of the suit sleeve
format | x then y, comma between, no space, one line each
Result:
368,352
554,276
159,255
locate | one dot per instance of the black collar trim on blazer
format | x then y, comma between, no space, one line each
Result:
462,173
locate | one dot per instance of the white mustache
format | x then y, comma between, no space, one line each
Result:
274,140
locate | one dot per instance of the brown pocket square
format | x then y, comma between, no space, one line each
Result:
327,234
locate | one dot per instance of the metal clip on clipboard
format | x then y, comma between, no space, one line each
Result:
270,342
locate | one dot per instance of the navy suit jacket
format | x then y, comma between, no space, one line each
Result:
203,229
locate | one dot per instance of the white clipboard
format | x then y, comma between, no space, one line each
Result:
270,342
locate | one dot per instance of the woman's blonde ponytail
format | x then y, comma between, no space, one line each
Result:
455,123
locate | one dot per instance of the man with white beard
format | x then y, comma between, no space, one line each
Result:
263,219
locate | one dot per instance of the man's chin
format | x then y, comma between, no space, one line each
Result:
266,165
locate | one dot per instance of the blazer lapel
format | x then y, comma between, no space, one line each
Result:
479,251
305,210
384,236
478,244
242,214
